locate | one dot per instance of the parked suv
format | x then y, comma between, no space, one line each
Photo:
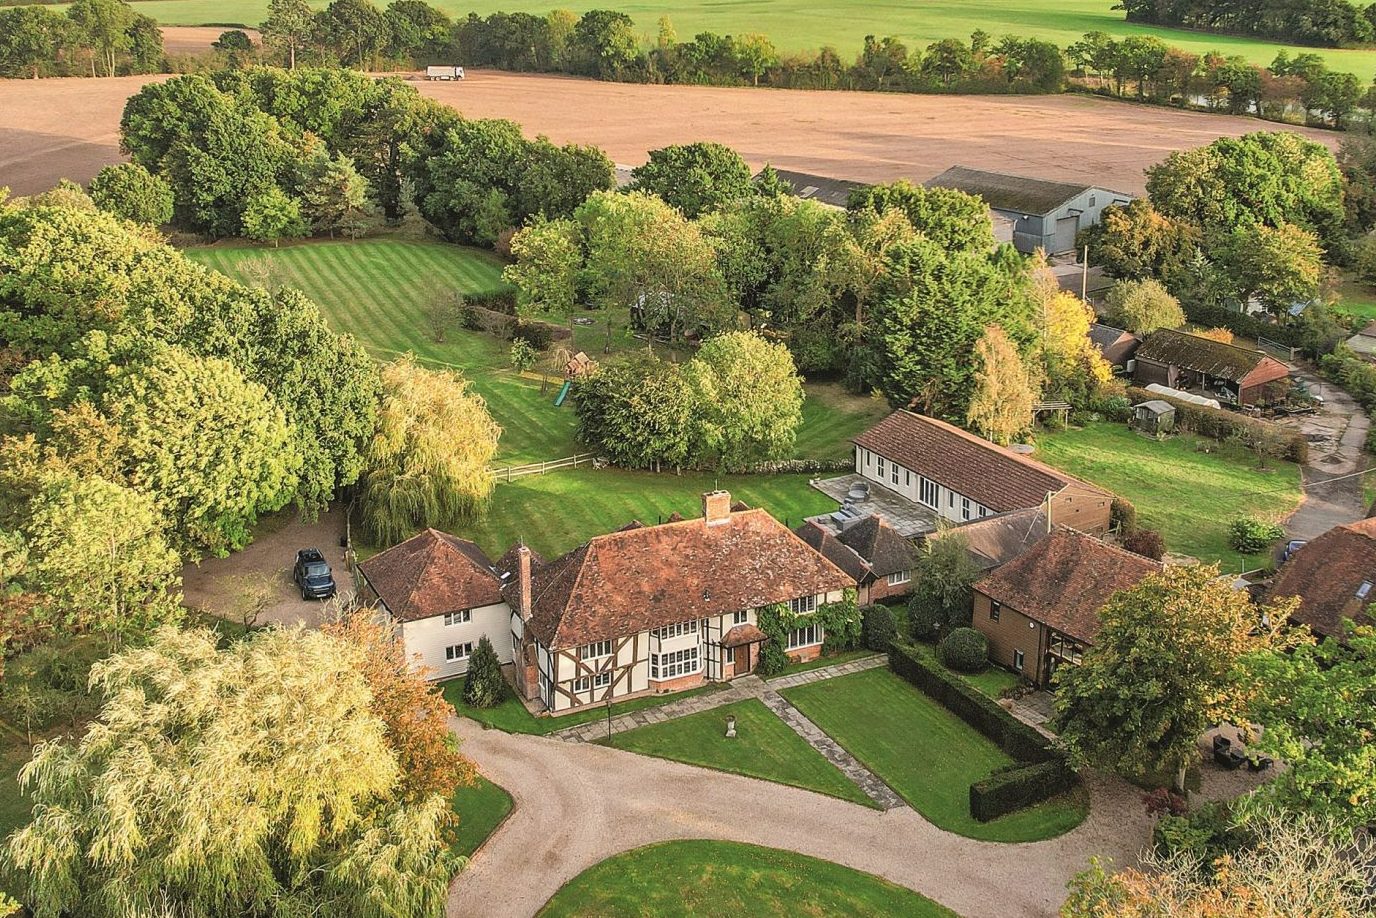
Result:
312,575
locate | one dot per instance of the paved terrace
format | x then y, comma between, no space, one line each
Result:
909,518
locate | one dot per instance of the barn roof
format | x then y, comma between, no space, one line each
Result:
1205,355
1011,192
831,191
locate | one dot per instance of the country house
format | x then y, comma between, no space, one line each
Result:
642,610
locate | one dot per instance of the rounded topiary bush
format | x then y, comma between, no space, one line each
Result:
964,650
924,622
877,627
1251,536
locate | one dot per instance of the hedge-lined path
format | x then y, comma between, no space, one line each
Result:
741,689
580,803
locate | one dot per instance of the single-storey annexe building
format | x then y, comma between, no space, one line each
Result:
874,553
1231,373
1045,215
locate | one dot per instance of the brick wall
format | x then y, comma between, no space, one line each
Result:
805,654
880,589
1012,632
677,685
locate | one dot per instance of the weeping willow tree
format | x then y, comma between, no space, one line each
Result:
252,782
428,461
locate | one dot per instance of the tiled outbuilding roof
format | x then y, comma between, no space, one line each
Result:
635,580
430,574
997,478
832,548
1214,358
880,545
998,539
1065,579
1328,576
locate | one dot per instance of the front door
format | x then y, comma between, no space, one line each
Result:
740,659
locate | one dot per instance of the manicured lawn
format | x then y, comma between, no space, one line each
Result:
835,659
513,717
764,747
481,808
561,510
992,682
1189,495
1356,297
726,878
796,25
925,753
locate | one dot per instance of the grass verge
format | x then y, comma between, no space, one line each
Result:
726,878
481,807
926,754
510,715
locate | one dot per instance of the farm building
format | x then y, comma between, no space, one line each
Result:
1117,346
1228,372
1045,215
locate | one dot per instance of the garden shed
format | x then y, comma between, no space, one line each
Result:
1154,416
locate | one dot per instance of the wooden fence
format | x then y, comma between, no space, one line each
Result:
1276,349
510,472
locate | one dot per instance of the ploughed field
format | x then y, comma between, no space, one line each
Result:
51,129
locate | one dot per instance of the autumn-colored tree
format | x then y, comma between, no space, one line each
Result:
1169,661
415,714
1225,335
1004,393
428,461
1071,365
1143,306
1299,866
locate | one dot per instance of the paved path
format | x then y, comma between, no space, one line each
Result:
577,804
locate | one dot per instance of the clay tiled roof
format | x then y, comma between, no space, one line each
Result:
880,545
634,580
432,573
1065,579
1214,358
509,564
1327,575
997,478
743,634
844,557
998,539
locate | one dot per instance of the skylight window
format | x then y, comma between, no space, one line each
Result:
1364,589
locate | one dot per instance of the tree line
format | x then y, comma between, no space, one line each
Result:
1326,23
92,37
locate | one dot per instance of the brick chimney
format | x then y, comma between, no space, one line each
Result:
523,579
716,507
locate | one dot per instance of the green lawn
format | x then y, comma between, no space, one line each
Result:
1356,297
1189,495
796,25
926,754
726,878
513,717
481,808
764,747
835,659
992,682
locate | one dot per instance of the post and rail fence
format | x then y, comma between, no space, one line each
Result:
510,472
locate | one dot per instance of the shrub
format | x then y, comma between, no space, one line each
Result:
773,659
877,628
1204,835
484,688
130,191
964,650
924,621
1147,543
1250,536
1220,424
1019,786
1123,514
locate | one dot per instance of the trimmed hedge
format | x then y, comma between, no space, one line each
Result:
1220,424
981,712
1010,790
965,650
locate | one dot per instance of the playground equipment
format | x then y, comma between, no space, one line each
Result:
563,393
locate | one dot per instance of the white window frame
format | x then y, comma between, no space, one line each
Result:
675,664
900,578
592,683
926,488
965,512
994,608
457,653
596,650
677,630
893,476
1019,660
740,618
803,605
806,636
880,468
461,617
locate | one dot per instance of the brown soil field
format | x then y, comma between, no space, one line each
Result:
50,129
195,39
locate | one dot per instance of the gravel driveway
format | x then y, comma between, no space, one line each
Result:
578,804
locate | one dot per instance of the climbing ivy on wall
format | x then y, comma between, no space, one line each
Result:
840,623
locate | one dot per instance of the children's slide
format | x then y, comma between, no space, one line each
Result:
563,393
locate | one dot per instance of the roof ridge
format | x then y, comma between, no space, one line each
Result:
1028,461
1104,543
1215,341
428,559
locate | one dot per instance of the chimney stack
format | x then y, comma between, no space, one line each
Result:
716,507
523,579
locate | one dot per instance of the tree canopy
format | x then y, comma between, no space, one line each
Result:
695,177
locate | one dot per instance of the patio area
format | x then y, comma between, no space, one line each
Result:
859,497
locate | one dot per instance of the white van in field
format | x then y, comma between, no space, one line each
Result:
443,73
